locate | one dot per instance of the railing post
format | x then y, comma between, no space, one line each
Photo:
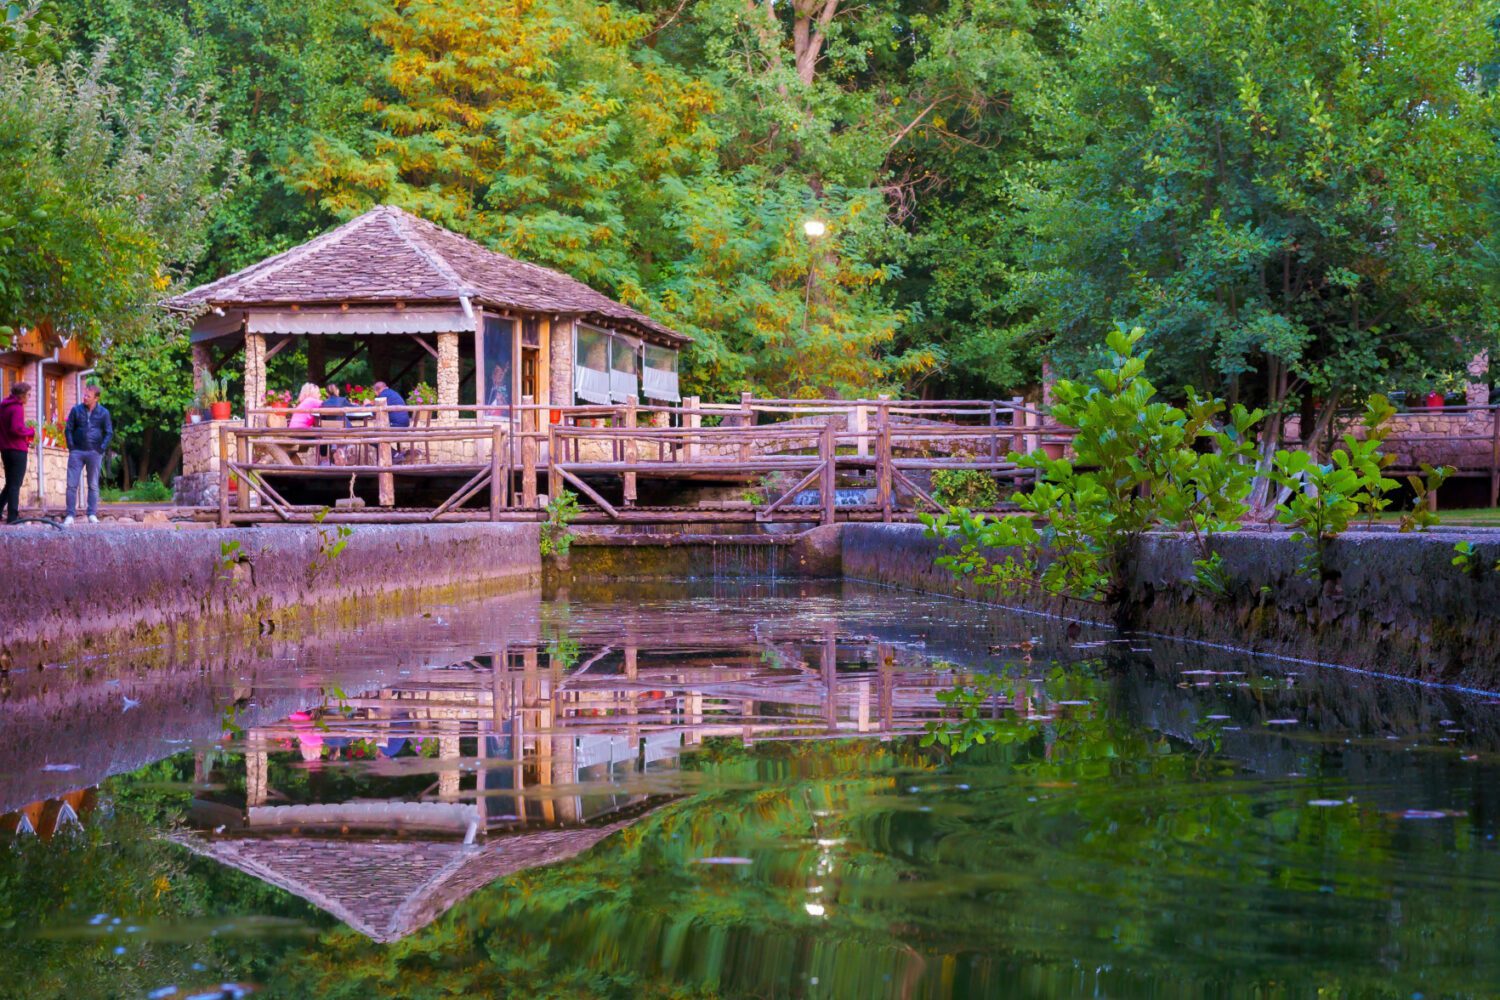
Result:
747,419
884,477
862,428
528,468
632,452
243,457
691,422
994,437
1495,456
1017,443
385,481
497,443
827,452
224,453
554,478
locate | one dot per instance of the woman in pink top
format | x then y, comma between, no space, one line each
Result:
309,399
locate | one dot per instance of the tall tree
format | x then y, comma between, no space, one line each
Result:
1286,193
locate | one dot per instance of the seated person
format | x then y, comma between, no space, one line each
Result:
335,398
393,398
308,399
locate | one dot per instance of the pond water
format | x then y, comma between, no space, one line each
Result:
738,790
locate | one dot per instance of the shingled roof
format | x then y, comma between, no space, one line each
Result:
389,255
387,889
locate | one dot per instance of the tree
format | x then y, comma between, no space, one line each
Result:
1287,194
103,200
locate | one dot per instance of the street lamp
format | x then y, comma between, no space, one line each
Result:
815,228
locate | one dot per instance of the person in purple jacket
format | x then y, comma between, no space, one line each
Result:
15,444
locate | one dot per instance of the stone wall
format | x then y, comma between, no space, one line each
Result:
54,462
1390,603
64,591
198,485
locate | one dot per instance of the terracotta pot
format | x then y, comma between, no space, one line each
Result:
220,411
555,416
1054,449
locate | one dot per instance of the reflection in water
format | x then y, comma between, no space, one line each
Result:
743,791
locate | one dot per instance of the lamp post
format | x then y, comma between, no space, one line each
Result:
815,229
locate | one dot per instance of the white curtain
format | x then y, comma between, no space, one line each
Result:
659,376
591,381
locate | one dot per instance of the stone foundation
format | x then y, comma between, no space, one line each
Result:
70,590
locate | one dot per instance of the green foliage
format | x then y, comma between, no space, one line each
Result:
966,488
556,537
331,543
1466,557
103,199
1420,516
1289,195
1326,496
1141,465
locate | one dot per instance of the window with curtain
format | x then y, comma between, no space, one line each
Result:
624,369
659,376
591,369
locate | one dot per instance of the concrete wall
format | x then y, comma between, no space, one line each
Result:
1390,603
62,592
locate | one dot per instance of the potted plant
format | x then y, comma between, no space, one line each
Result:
279,401
360,394
216,395
194,414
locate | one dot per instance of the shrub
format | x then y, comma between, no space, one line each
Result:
966,488
151,490
561,510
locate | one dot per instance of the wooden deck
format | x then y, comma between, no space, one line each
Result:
510,461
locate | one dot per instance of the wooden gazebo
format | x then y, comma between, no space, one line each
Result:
399,290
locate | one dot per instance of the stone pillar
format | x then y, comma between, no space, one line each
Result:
255,370
560,363
1477,392
447,375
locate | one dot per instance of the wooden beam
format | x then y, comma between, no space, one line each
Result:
587,491
277,348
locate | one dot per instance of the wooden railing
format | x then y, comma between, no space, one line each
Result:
814,442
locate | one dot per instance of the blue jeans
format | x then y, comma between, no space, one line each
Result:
77,460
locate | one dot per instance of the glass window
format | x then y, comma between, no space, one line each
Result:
499,334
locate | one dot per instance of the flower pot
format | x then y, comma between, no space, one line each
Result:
192,417
1435,401
555,416
219,411
1054,449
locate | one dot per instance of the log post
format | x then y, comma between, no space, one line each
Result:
884,477
862,428
632,452
554,478
747,419
242,455
497,484
1495,456
528,471
386,482
828,453
1033,441
223,475
691,422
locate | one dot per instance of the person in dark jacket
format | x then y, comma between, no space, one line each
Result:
15,444
393,398
88,431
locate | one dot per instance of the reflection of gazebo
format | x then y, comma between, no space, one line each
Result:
387,889
401,290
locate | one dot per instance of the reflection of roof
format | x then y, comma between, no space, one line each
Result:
388,255
387,889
